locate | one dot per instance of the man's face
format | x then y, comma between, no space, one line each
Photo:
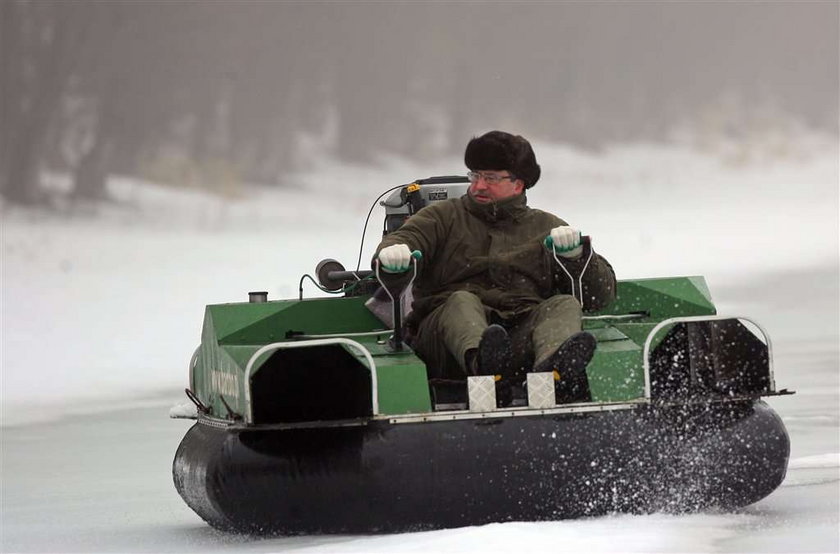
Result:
494,185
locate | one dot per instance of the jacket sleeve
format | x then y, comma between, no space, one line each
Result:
598,279
423,231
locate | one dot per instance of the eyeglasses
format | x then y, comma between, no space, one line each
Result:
489,178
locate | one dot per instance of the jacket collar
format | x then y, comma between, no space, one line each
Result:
509,209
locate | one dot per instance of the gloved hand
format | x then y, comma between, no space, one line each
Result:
566,241
395,258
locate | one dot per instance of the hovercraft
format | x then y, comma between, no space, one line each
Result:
312,416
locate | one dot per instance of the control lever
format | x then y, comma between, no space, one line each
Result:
586,241
396,339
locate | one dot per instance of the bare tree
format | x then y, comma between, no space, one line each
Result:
42,41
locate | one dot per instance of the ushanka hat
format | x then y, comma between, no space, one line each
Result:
501,150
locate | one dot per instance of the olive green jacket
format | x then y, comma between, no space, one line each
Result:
495,251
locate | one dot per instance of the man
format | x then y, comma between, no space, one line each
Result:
489,297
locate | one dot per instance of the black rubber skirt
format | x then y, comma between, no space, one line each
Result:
386,477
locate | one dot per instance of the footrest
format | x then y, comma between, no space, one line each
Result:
541,390
481,391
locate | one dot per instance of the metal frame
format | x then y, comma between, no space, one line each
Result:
193,362
430,417
374,386
569,275
691,319
524,411
615,317
465,414
338,335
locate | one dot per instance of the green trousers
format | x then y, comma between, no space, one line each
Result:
446,334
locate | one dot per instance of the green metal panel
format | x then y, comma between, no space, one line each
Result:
637,332
261,323
606,334
242,353
663,297
232,333
615,372
403,386
217,374
402,379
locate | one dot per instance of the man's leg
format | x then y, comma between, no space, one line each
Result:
551,323
445,335
560,347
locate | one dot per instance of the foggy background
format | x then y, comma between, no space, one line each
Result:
216,94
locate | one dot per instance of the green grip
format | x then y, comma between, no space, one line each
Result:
549,243
416,254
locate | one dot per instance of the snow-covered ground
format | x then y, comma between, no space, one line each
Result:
102,307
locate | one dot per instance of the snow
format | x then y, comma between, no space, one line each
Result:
102,308
183,410
821,461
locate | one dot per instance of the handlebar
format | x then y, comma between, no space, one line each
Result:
349,275
343,275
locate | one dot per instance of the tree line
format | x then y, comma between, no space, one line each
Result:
253,90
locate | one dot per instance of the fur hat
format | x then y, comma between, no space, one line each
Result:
500,150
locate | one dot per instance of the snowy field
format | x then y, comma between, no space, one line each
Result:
102,307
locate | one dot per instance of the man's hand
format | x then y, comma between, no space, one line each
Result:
566,241
395,258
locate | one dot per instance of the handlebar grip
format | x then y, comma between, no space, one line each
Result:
415,255
585,240
547,242
341,276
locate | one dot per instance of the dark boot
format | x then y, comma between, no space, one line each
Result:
494,357
569,364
